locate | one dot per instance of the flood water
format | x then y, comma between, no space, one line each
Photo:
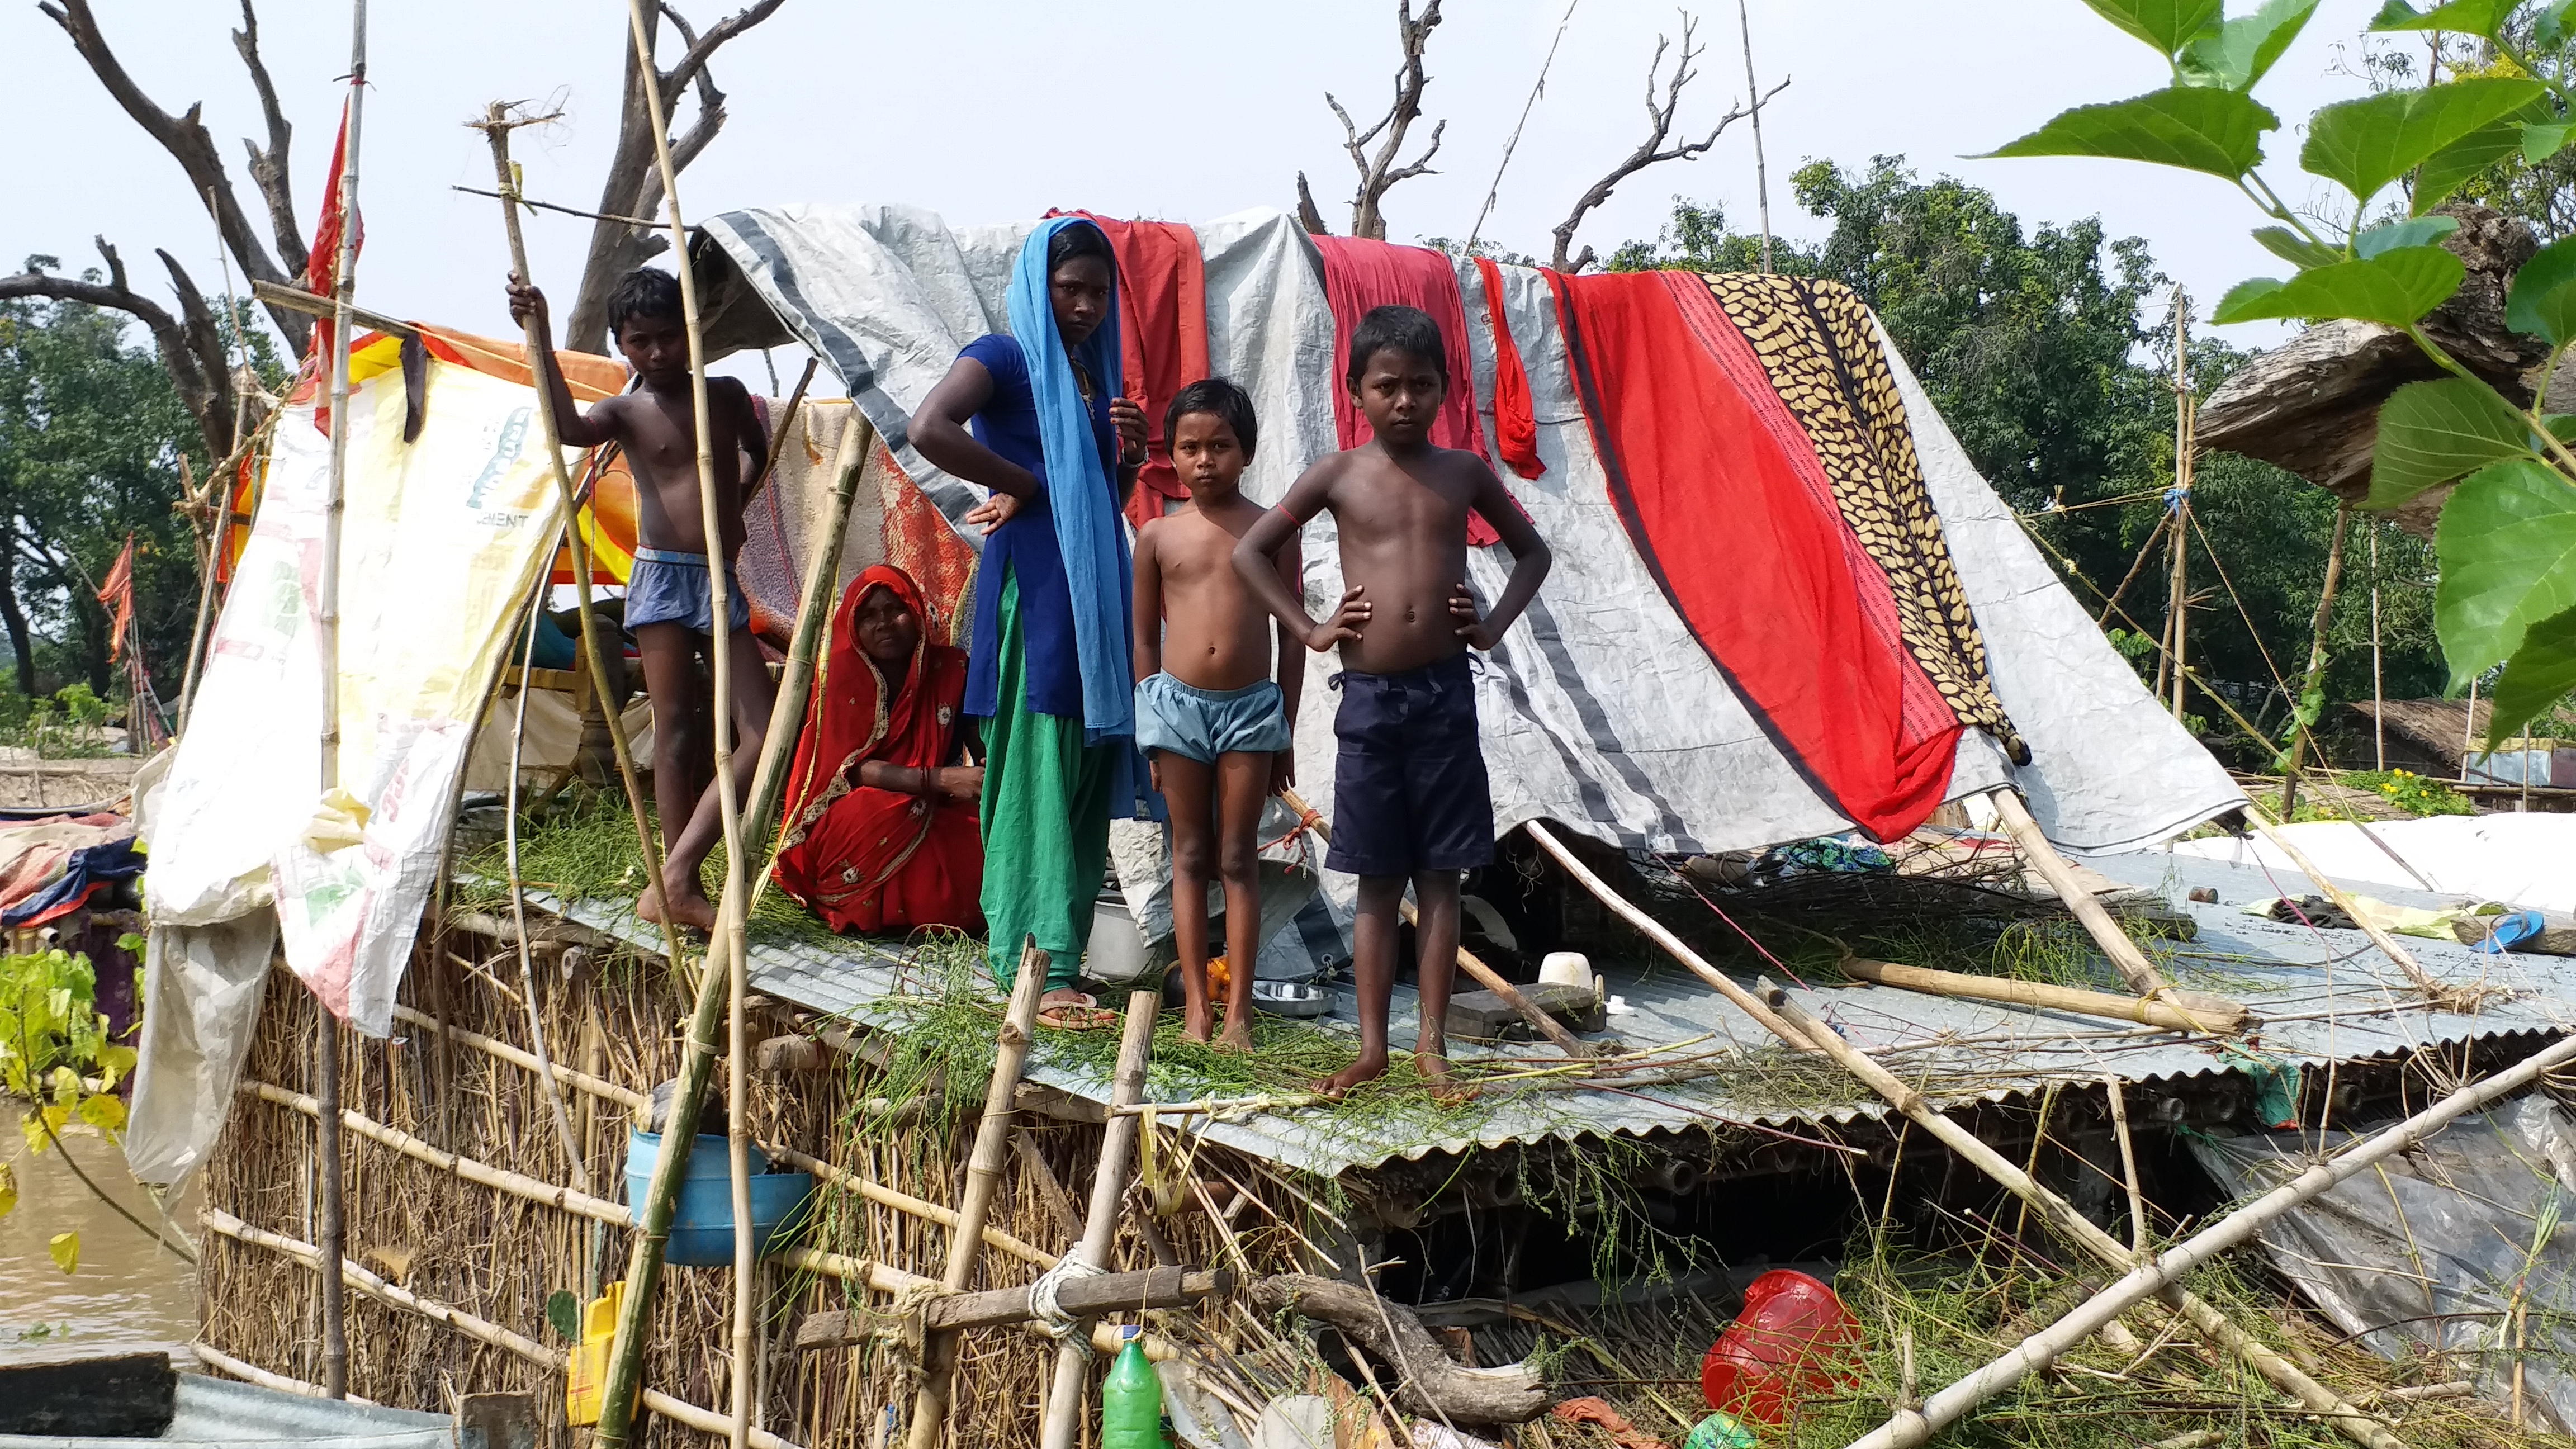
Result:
128,1293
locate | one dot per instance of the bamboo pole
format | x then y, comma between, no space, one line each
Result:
1743,1000
1761,165
482,1330
2174,1011
222,1362
2424,980
894,1282
626,1097
1483,975
331,1220
2153,1276
644,1263
500,1179
496,127
519,896
729,911
2113,1093
2178,597
910,1206
983,1178
2125,957
2316,663
2078,1231
1100,1226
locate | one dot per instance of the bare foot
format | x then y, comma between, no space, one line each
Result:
1198,1023
1237,1038
690,908
1439,1076
1366,1069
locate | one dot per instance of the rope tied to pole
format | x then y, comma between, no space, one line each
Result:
1044,1302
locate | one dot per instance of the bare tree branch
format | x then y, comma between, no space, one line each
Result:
186,139
633,186
1307,215
1379,170
268,167
1659,129
190,349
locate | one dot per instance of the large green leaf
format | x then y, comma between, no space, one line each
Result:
2238,52
2540,674
2196,128
2454,166
2394,288
2477,17
2433,432
2543,299
2164,24
2542,140
2295,249
2507,542
2549,30
2420,231
2368,143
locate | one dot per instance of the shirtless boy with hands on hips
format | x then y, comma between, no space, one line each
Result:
1410,800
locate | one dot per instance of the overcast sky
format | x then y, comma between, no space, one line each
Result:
984,110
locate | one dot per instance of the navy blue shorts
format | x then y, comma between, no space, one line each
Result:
1409,791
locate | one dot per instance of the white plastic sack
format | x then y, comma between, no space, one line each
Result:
202,989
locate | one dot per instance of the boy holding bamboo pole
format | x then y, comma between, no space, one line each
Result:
666,597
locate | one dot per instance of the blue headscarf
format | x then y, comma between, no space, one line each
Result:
1088,530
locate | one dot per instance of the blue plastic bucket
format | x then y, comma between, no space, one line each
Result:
702,1222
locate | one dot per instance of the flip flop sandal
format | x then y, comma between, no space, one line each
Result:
1086,1014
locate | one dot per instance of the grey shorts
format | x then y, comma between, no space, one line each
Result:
1201,724
670,587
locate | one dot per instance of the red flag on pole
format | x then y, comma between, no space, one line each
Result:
322,266
117,594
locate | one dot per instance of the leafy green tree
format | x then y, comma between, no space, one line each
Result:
2506,593
91,434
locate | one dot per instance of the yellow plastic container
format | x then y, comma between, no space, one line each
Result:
586,1377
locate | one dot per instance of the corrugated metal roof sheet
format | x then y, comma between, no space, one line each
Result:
2324,996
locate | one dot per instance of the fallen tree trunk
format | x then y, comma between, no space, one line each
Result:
1428,1380
1085,1297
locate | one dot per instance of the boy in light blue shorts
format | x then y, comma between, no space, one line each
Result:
1209,714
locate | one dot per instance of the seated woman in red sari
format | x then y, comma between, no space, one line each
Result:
879,832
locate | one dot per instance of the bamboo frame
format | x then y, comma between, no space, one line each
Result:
2153,1276
1484,975
1654,930
644,1263
894,1282
1100,1226
910,1206
983,1177
2125,957
481,1330
517,1184
729,910
2075,1229
2317,660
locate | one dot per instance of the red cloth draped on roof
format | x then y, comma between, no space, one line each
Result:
866,859
1724,499
1359,275
1162,338
1515,416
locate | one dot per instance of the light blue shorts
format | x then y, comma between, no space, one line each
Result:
670,587
1201,724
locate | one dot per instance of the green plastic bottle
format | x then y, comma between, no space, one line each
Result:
1131,1403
